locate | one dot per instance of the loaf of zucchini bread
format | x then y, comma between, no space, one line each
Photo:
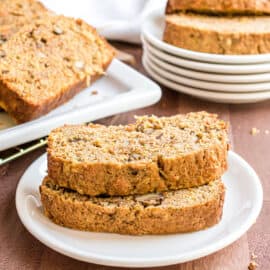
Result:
152,155
227,7
47,62
179,211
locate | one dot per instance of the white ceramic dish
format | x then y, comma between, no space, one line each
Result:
122,89
220,97
153,28
208,67
211,77
243,202
211,86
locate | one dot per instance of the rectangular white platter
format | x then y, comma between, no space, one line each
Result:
121,89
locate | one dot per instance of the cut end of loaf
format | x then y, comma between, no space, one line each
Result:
178,211
47,62
233,35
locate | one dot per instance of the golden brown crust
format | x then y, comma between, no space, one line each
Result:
239,39
179,211
219,7
24,105
160,173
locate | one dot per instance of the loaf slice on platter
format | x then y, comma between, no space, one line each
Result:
47,62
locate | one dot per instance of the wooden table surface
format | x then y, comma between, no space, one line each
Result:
20,250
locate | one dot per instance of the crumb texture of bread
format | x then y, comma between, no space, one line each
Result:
255,7
236,35
152,155
179,211
16,13
47,62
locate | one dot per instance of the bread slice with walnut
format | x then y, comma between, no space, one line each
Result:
218,34
153,154
47,62
178,211
227,7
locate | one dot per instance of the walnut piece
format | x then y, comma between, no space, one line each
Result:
150,199
57,30
79,64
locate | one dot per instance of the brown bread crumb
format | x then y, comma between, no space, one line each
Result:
254,131
94,92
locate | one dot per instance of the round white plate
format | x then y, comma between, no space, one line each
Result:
153,28
220,97
212,77
212,86
243,202
207,67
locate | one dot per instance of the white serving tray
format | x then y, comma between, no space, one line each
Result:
122,89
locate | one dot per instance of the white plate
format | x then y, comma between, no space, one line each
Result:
211,86
207,67
243,202
122,89
153,28
212,77
220,97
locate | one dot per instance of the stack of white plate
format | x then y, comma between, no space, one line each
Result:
219,78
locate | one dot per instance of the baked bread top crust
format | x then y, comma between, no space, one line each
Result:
229,7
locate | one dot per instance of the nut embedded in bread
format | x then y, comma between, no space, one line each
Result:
226,7
152,155
218,34
179,211
47,62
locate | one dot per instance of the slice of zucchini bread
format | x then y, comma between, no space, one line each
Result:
16,13
228,7
218,34
154,154
47,62
179,211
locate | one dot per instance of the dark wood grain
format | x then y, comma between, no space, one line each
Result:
19,250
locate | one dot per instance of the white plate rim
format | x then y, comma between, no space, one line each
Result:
209,67
199,56
211,77
126,262
209,86
204,94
